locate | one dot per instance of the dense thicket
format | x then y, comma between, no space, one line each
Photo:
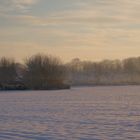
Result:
48,72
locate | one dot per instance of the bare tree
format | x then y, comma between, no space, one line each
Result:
44,71
7,70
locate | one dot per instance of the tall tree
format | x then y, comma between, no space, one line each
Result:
8,72
44,71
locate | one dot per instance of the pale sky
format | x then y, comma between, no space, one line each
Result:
87,29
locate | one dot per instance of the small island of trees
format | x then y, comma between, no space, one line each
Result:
39,72
42,72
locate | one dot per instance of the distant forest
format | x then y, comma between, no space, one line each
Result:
48,72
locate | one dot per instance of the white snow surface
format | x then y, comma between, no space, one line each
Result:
81,113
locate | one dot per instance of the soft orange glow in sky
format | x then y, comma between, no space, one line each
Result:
88,29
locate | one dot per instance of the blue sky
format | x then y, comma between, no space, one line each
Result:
88,29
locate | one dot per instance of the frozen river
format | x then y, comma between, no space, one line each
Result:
82,113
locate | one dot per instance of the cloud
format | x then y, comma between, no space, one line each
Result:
23,4
95,13
16,5
100,28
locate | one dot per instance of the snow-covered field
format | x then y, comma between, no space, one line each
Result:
82,113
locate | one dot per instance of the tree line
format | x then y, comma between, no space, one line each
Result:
106,72
37,72
48,72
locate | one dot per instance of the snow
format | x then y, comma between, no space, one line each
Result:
81,113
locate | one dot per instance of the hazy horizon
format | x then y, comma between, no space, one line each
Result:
89,30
